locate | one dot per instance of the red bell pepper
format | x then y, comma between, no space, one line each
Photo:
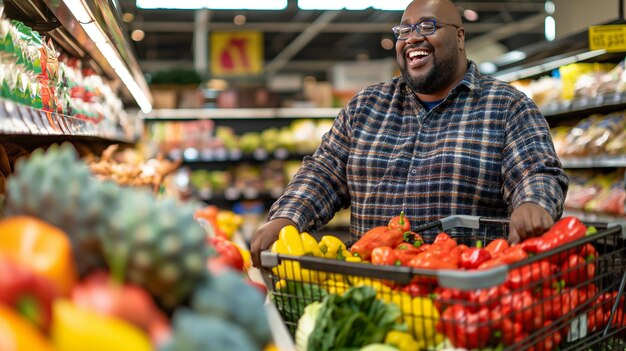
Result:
522,308
513,254
576,270
510,332
472,258
385,255
30,294
549,342
446,297
413,238
443,239
417,289
497,247
490,297
588,252
530,275
453,257
400,223
566,230
227,253
405,252
376,237
465,329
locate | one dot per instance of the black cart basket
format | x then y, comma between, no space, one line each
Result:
558,305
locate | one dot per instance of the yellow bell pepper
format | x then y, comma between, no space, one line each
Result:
42,247
290,242
310,245
336,287
332,247
402,340
18,334
419,313
76,329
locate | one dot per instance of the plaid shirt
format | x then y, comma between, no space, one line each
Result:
483,151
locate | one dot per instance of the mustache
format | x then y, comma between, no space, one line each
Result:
420,46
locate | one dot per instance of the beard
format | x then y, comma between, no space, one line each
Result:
438,77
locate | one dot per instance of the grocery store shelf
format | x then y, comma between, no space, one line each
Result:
233,194
21,120
585,105
241,113
588,216
194,156
597,161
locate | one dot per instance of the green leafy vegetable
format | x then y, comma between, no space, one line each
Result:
350,321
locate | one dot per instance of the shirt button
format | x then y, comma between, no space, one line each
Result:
414,171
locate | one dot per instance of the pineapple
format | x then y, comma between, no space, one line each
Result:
156,244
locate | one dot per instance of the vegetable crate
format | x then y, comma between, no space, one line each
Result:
568,298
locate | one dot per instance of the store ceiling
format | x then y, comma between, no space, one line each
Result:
309,42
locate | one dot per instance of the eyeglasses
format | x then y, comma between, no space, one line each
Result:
424,28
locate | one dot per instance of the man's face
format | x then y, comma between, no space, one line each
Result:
429,63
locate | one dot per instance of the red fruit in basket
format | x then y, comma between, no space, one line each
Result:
497,247
576,270
376,237
464,328
385,255
406,252
98,292
227,253
565,230
400,223
417,289
531,275
473,257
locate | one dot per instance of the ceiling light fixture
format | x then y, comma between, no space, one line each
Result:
388,5
213,4
550,28
83,15
387,44
137,35
470,15
239,20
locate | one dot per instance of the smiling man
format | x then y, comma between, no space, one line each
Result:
441,139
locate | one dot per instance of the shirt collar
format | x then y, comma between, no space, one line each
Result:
472,77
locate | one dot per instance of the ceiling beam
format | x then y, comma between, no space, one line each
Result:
300,41
526,25
298,27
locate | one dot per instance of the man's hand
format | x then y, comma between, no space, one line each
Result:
265,237
528,220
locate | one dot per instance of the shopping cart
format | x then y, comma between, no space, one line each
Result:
480,309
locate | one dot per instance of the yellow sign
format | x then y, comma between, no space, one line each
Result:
611,38
236,53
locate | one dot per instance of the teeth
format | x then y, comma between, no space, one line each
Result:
417,53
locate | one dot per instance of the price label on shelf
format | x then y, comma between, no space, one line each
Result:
611,38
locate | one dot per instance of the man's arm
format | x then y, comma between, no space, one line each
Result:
534,183
317,191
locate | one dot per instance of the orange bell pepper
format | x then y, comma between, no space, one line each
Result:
17,334
42,247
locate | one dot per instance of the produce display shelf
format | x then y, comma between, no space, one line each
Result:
217,155
590,216
604,102
20,120
241,113
596,161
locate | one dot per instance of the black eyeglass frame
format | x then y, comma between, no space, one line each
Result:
415,28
